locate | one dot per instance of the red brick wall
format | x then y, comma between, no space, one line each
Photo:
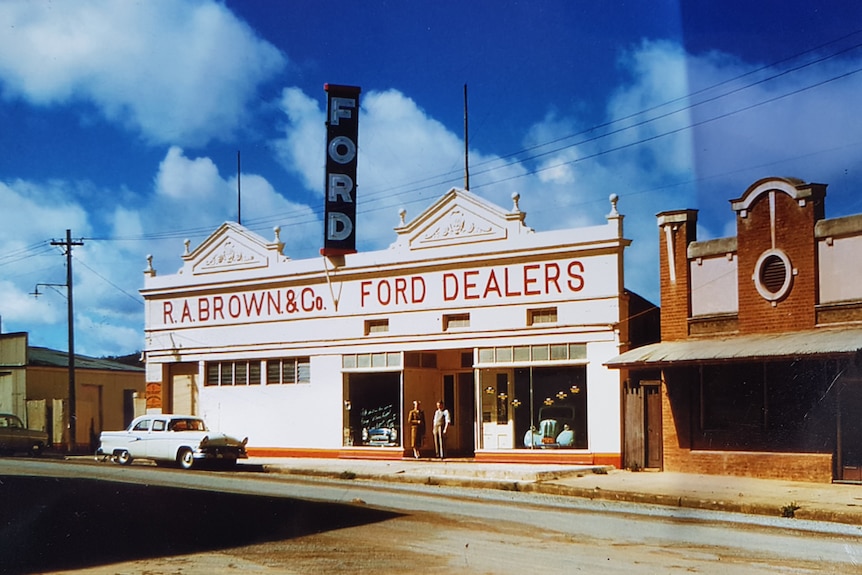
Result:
675,296
794,235
810,467
678,407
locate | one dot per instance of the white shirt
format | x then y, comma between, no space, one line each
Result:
441,419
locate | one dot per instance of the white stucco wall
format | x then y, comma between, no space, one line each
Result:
603,400
279,308
302,415
839,281
714,288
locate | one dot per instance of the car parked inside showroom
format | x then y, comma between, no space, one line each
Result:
183,440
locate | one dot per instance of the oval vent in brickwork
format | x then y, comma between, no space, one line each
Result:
773,275
773,272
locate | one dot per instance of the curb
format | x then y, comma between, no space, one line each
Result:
594,494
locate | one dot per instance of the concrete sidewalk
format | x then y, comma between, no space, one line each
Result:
839,503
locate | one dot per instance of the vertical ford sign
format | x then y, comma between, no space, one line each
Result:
342,133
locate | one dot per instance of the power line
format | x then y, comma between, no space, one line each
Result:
518,157
112,284
32,250
631,116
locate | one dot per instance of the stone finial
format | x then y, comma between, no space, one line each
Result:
150,271
402,214
516,197
279,245
187,243
613,199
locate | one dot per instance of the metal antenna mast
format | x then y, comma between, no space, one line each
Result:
466,145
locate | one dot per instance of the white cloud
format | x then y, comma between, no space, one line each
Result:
186,180
659,75
304,128
21,306
189,195
41,211
409,159
178,71
406,160
192,195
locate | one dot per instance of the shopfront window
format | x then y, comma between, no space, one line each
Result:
534,407
372,414
556,411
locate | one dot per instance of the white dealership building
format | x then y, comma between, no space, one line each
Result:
323,357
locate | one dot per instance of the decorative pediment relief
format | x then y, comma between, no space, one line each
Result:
230,255
459,225
459,217
232,248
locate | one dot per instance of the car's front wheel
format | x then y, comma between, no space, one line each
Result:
186,458
124,457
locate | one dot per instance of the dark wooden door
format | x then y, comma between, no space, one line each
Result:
653,426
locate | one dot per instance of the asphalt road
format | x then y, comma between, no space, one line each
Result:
101,518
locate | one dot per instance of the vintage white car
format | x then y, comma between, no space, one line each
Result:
180,439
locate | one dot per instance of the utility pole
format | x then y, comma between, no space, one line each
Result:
73,420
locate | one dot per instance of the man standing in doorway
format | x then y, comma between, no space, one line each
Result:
441,427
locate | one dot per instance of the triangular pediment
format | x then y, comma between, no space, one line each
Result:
232,248
460,217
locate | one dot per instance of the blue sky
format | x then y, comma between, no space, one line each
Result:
122,120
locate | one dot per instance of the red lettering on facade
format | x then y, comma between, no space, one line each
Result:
168,312
273,302
529,280
415,295
492,285
469,286
234,306
384,296
364,291
253,304
203,309
450,279
400,290
552,277
509,293
187,313
307,299
576,281
218,307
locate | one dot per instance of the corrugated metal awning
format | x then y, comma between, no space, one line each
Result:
809,344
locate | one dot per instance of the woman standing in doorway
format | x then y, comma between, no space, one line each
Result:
416,419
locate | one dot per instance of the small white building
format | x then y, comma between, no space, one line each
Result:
324,356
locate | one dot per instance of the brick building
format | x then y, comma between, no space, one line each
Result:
759,370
